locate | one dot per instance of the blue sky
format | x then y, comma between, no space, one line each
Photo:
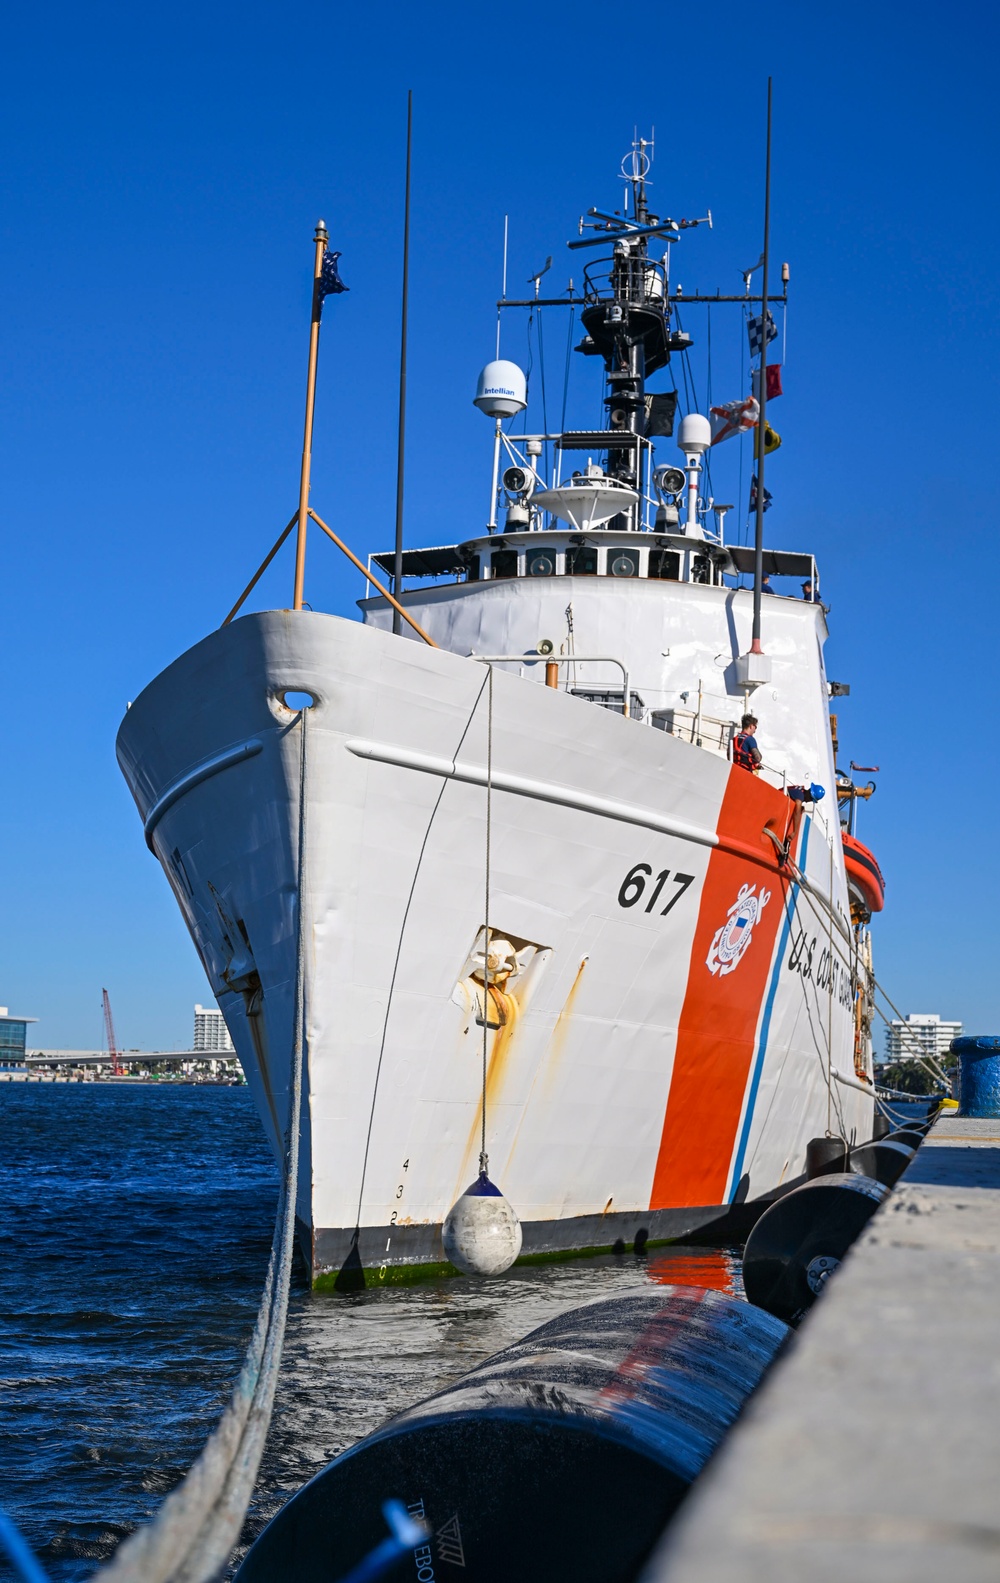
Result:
162,173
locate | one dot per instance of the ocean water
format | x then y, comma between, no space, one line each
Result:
135,1225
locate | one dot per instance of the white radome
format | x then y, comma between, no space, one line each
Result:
502,390
695,435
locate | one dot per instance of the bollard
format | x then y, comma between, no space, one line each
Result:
979,1065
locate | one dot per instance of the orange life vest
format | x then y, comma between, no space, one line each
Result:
742,755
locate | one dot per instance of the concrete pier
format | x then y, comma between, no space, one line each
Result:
872,1451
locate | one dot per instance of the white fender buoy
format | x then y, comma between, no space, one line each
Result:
481,1233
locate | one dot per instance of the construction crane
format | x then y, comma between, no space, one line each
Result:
117,1066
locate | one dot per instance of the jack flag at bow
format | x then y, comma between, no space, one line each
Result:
329,281
753,495
756,337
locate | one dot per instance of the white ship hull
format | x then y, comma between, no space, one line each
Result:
658,1059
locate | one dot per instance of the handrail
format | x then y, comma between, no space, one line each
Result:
561,659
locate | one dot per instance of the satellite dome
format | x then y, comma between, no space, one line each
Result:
502,391
695,434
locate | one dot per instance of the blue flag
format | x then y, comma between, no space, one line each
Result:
329,281
753,495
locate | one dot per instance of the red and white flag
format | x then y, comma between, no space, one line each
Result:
736,417
773,385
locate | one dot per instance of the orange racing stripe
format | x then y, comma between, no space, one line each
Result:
717,1031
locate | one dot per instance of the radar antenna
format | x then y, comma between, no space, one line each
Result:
635,167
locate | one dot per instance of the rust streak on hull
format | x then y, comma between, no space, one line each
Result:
496,1071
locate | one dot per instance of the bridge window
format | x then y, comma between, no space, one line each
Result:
541,563
701,569
581,560
665,563
623,563
472,572
504,563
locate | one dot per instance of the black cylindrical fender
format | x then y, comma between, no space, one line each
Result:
800,1240
885,1161
560,1457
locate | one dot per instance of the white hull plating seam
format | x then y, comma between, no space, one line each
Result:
582,1051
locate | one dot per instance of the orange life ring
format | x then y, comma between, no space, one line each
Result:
863,873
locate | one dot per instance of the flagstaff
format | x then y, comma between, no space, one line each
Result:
321,238
397,564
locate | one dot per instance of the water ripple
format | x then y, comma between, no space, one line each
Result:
133,1248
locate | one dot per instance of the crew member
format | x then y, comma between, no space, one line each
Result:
746,753
765,584
807,592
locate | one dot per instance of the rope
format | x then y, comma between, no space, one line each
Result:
829,977
541,375
399,952
192,1535
811,897
687,372
484,1163
745,522
787,862
899,1121
708,338
569,354
528,371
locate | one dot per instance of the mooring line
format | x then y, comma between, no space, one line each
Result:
396,961
193,1534
484,1163
853,969
787,897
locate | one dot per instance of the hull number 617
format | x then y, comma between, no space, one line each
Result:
634,887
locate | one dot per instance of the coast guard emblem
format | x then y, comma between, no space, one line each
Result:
731,941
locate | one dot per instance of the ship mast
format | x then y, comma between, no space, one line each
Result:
758,543
627,309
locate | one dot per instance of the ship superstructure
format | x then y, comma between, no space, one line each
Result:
519,831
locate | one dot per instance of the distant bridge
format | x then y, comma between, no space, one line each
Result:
125,1057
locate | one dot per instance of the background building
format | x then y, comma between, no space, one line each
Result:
922,1034
13,1036
210,1031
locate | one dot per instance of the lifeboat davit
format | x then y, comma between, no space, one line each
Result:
864,877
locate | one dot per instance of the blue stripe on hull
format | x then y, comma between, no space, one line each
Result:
765,1027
